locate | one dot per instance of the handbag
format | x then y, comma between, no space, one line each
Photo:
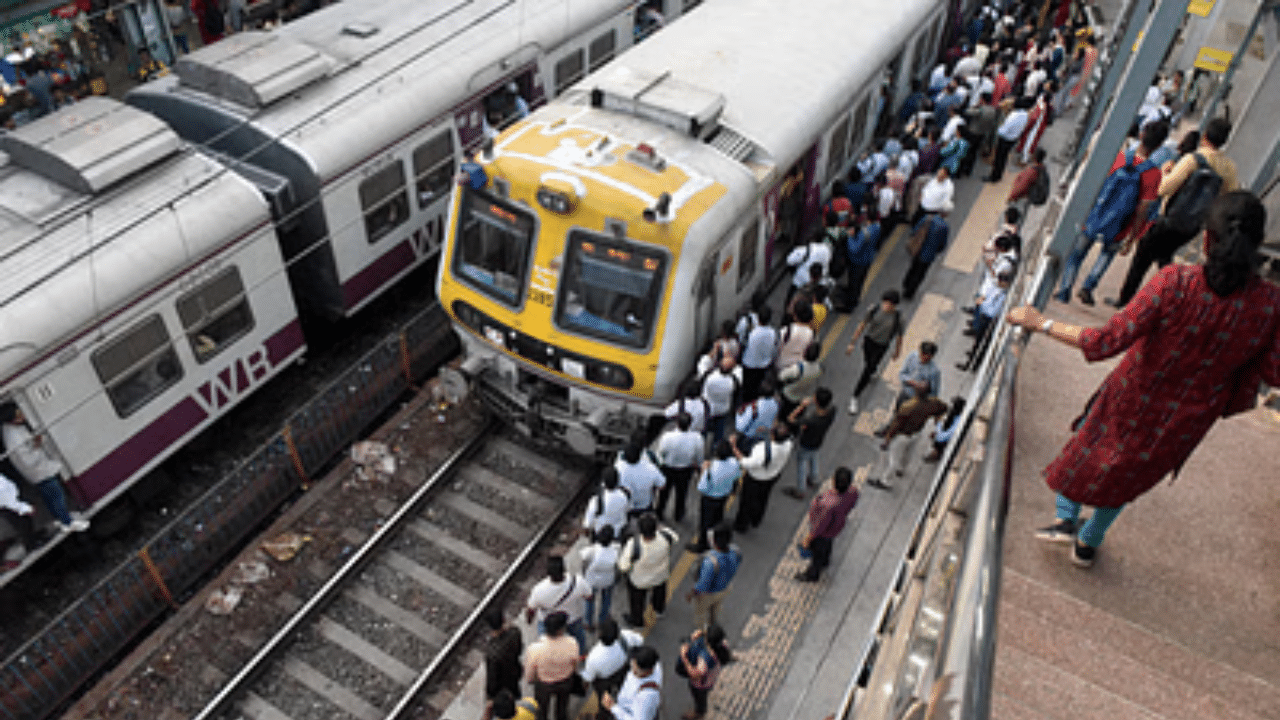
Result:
917,239
577,686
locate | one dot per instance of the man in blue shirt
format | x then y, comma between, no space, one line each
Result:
933,235
719,476
861,248
756,418
920,378
716,570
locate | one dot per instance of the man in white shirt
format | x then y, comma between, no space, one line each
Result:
721,388
693,405
609,505
937,195
803,258
761,470
641,693
37,465
680,451
1034,79
1007,135
606,666
639,477
760,350
562,592
954,123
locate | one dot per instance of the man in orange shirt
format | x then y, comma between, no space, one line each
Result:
550,664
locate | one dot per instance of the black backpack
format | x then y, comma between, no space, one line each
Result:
1038,194
1188,206
839,257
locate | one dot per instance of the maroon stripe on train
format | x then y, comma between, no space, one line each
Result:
376,274
165,431
283,343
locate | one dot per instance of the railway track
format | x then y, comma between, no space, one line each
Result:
395,615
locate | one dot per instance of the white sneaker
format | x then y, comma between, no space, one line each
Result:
76,525
853,406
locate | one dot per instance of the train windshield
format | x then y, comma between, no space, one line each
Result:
494,241
610,289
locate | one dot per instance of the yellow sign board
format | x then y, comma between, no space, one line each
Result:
1201,7
1213,59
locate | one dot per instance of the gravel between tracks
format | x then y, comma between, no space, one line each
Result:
180,674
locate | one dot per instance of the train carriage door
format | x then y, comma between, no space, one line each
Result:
704,298
795,203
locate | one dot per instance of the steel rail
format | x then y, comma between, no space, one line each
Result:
406,700
273,646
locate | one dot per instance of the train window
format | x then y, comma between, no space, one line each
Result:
137,366
495,240
384,201
433,168
859,124
836,149
690,4
747,255
610,289
602,48
569,70
215,315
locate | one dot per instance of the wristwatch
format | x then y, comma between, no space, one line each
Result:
1044,327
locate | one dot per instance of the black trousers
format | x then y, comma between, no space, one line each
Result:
1001,158
915,275
820,558
851,291
751,379
872,353
1157,246
677,482
699,698
755,500
544,692
657,596
710,514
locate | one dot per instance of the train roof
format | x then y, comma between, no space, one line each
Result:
780,76
99,203
341,83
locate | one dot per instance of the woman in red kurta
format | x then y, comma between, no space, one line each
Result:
1198,341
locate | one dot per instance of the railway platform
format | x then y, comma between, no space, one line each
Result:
1176,620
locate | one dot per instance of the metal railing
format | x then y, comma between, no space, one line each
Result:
51,667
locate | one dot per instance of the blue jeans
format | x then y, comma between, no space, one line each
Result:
1095,527
54,498
574,630
1076,258
606,603
806,468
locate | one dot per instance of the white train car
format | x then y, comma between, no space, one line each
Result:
352,119
619,225
144,291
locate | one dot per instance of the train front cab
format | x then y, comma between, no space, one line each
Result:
562,288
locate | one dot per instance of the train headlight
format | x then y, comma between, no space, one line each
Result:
559,193
610,375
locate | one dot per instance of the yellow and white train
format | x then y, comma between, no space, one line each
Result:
601,241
